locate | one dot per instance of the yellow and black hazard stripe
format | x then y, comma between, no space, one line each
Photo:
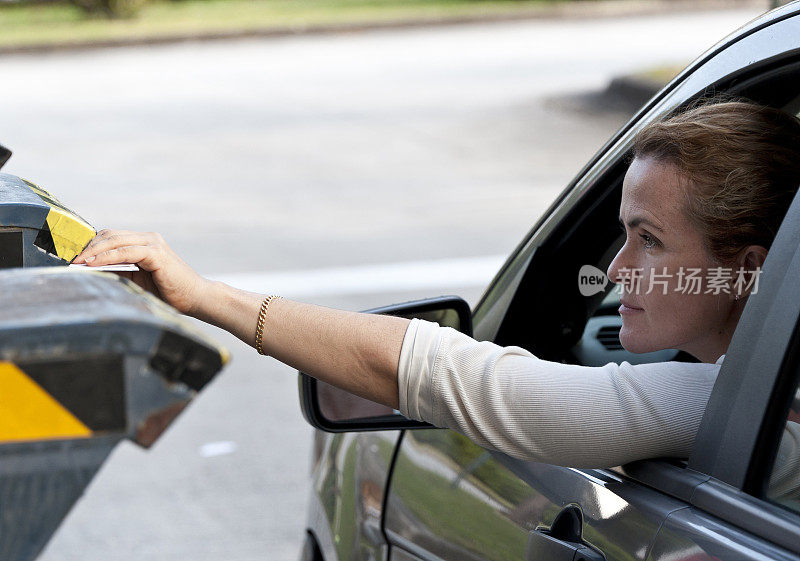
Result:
63,233
62,399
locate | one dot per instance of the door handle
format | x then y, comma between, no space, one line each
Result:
563,540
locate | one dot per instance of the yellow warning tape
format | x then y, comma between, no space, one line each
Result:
70,232
28,412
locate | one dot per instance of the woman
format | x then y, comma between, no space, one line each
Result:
706,189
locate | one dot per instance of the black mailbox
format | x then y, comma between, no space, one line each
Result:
36,230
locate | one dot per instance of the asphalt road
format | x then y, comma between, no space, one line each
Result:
338,169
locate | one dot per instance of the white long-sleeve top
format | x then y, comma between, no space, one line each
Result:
507,399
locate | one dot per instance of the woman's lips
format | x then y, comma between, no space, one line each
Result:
628,309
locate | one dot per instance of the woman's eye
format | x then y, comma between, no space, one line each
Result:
649,241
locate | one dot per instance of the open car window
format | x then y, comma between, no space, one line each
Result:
593,239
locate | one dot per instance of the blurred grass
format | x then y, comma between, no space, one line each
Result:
43,24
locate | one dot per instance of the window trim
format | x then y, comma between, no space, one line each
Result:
759,517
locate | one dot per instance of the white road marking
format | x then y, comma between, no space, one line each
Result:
210,449
441,274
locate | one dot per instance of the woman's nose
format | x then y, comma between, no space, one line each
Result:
616,264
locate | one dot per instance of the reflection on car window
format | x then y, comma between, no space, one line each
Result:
784,482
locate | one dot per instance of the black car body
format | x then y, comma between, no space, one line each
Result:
411,492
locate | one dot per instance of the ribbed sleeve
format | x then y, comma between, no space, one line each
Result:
784,482
507,399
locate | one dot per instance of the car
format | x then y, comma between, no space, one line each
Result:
388,488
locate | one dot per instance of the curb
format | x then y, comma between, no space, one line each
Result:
624,94
580,9
635,91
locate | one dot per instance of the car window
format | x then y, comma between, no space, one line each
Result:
784,482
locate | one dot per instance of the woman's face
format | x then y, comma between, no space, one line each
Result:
662,253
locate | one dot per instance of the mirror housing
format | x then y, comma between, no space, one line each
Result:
331,409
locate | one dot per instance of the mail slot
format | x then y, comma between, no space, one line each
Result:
86,359
36,230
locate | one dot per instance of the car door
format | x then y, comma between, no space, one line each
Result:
450,499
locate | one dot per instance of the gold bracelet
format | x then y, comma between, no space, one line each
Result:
262,315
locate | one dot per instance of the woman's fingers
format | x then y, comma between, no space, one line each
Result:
107,240
138,254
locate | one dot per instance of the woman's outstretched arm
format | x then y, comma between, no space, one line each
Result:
500,397
356,352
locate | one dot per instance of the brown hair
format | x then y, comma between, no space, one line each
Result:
743,165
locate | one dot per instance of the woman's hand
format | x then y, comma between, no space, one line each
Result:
161,272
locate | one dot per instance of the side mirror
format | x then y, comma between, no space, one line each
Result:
331,409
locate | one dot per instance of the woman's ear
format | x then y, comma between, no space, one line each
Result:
751,259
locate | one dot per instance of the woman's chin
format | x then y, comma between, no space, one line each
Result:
635,344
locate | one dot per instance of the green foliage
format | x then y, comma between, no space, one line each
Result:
111,9
467,454
54,22
458,517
